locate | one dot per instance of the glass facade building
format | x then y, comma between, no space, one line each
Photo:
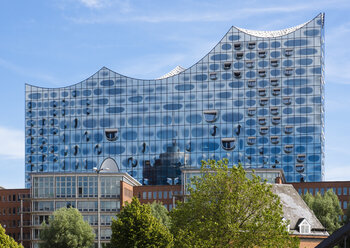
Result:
257,98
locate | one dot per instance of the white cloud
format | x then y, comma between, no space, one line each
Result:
11,143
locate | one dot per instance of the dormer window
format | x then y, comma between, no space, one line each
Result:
288,129
249,64
237,46
227,65
299,168
251,45
239,55
262,73
251,111
288,148
288,52
264,101
251,83
210,115
213,76
274,63
262,92
237,74
276,91
275,140
228,143
264,130
274,111
276,120
288,71
274,82
304,227
301,158
262,54
287,100
111,134
262,121
251,141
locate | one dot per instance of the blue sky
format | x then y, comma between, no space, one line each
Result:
53,43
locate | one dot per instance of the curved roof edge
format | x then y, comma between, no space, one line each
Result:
276,33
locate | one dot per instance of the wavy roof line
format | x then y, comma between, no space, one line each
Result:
271,34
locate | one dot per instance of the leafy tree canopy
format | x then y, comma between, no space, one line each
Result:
161,213
225,209
135,227
7,241
326,208
67,228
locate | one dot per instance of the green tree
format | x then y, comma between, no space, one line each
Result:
7,241
226,209
66,228
161,213
135,227
326,208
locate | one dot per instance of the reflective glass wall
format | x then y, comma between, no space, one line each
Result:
257,99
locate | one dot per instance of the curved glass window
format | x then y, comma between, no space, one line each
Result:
274,140
264,130
111,134
237,46
251,111
276,120
274,111
301,158
251,83
288,148
251,141
264,101
287,100
210,115
227,65
262,54
288,129
299,168
228,143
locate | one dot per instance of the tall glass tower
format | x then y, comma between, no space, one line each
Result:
257,98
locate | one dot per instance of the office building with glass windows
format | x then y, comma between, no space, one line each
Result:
257,98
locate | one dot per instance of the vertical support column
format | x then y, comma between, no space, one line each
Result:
98,210
21,220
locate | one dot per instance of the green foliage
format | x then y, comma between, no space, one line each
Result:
137,227
326,208
67,228
7,241
161,213
225,209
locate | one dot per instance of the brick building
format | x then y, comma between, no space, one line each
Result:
15,214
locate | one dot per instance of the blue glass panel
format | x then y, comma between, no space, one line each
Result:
250,55
219,85
250,93
120,81
304,139
98,92
263,63
296,42
98,137
226,46
199,132
115,110
152,98
147,90
305,110
129,135
86,92
287,159
296,120
75,93
300,71
314,158
107,83
275,44
233,37
152,120
220,56
236,84
172,106
200,77
311,32
101,101
307,129
275,130
275,102
296,82
305,61
250,151
194,119
287,91
316,70
287,140
166,134
307,51
238,65
275,54
263,140
300,149
287,111
34,96
161,89
135,120
184,87
167,120
115,91
263,112
305,90
91,83
64,94
250,74
275,150
224,95
209,146
250,102
232,117
263,45
135,99
226,76
263,83
300,100
250,132
250,122
238,103
288,63
90,123
214,67
114,149
275,72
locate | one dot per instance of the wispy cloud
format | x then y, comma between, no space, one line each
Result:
11,143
